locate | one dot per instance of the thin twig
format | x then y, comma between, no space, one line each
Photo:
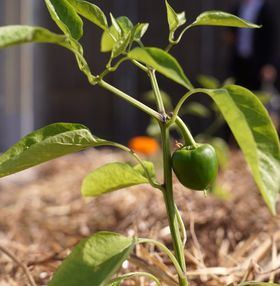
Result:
20,264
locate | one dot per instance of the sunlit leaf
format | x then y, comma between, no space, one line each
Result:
14,35
118,31
45,144
94,260
91,12
139,30
175,20
162,62
254,131
219,18
114,176
66,18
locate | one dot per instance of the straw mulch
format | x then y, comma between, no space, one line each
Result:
42,216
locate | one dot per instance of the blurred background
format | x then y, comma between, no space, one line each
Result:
41,84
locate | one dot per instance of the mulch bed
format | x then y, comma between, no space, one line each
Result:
42,216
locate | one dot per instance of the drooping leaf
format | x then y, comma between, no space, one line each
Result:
219,18
45,144
91,12
66,18
256,136
175,20
14,35
94,260
162,62
112,177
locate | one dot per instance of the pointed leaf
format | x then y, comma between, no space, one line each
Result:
120,46
219,18
45,144
162,62
120,29
14,35
91,12
139,30
175,20
112,177
66,18
256,136
94,260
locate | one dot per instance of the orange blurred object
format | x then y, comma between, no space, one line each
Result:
143,144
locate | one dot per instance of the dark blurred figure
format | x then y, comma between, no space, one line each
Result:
253,60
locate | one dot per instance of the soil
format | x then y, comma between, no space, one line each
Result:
42,216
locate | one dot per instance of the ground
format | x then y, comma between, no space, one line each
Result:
43,216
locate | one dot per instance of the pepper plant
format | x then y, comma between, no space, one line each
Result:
97,259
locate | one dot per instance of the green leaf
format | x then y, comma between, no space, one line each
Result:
139,31
112,177
120,46
94,260
125,24
162,62
108,40
219,18
175,20
256,136
91,12
115,24
14,35
120,29
45,144
66,18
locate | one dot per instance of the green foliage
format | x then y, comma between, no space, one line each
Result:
94,260
219,18
91,12
162,62
66,18
45,144
16,34
121,176
121,34
175,20
256,136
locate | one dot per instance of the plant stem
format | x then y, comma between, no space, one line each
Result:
160,105
188,138
170,203
130,99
